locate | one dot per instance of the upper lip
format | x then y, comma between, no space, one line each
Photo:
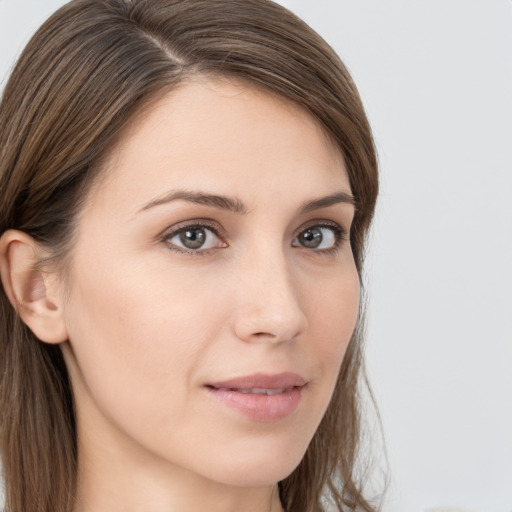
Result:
262,381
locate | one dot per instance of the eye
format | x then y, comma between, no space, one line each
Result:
319,237
194,238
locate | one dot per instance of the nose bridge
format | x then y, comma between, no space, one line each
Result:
268,302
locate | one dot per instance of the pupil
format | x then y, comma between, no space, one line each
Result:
193,238
312,238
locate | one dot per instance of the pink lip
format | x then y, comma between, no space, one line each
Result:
260,407
262,380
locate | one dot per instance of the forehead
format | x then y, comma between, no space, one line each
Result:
218,134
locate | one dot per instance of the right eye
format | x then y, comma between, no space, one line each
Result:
194,238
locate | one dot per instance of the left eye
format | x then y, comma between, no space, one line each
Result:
195,238
318,237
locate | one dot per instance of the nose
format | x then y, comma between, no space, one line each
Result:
268,306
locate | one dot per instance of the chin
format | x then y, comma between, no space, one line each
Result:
249,476
264,467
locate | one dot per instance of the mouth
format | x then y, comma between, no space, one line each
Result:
257,391
260,397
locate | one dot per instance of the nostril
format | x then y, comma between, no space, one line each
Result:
266,336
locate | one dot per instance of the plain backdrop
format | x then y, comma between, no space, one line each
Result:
436,79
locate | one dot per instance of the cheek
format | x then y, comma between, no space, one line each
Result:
137,336
333,317
335,312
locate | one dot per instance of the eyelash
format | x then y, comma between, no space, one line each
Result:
191,225
339,232
340,235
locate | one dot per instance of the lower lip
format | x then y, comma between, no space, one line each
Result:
260,407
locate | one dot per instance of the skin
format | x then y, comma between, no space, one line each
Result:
148,323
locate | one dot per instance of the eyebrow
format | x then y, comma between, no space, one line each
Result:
324,202
221,202
235,205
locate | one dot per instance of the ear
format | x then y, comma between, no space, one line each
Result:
33,293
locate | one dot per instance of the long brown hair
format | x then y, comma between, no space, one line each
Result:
79,81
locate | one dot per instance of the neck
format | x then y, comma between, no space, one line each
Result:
144,493
115,476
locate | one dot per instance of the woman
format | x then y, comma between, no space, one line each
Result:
186,191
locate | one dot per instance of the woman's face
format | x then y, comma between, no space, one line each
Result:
212,287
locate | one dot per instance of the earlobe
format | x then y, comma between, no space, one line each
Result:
29,290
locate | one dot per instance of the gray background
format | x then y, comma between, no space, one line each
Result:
436,78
